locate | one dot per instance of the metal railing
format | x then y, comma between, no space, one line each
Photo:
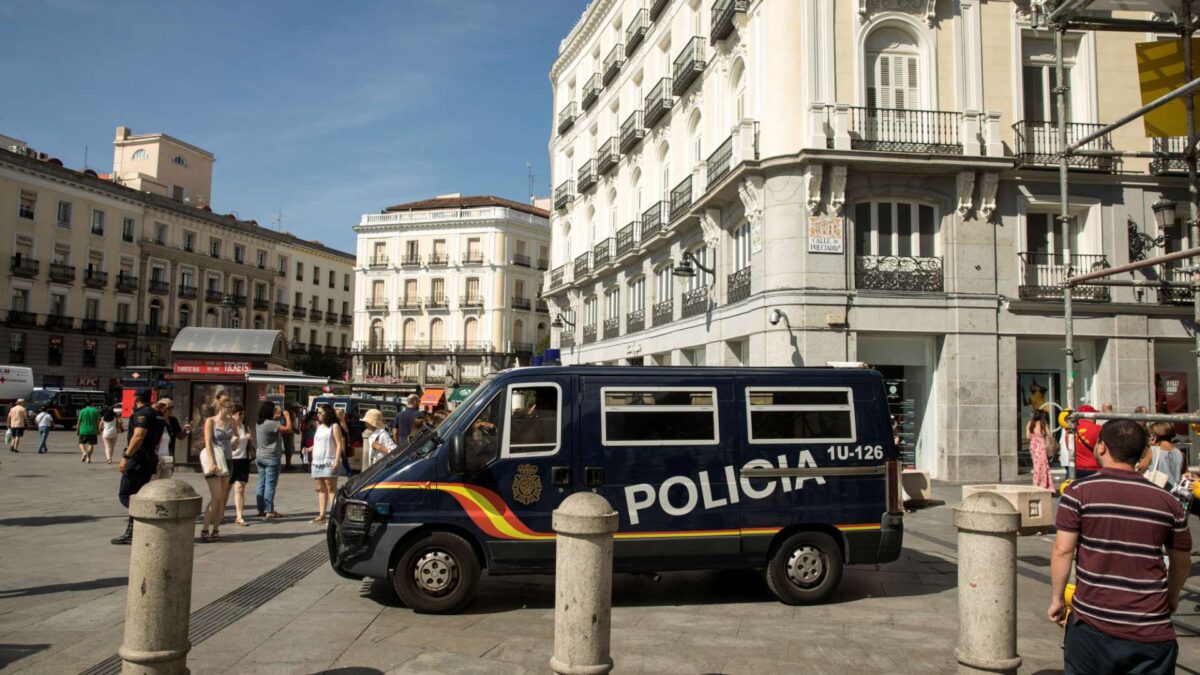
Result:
301,312
1174,295
282,308
187,292
94,278
591,91
608,156
602,252
1037,145
663,312
94,326
635,321
899,130
471,301
378,261
657,7
688,65
213,295
898,273
315,314
658,102
695,301
719,163
566,338
62,272
124,328
556,276
23,266
438,260
473,258
613,62
60,322
612,327
581,266
626,239
564,194
522,303
126,282
22,318
543,264
1043,274
738,285
542,307
653,220
633,131
375,304
439,301
1170,157
158,287
589,334
411,260
408,304
521,260
723,12
639,25
681,198
586,176
331,317
566,117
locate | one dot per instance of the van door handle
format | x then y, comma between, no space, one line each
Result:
560,476
594,476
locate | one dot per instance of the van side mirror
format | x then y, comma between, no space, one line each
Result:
456,455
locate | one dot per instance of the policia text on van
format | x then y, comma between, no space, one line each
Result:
791,470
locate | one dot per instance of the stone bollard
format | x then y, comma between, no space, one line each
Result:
987,584
585,523
160,578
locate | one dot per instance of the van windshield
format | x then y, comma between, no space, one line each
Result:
43,396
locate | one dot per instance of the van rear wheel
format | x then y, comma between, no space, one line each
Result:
437,574
805,569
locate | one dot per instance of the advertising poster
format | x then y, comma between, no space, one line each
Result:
1171,395
1036,389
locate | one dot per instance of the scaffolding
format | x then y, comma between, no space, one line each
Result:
1170,16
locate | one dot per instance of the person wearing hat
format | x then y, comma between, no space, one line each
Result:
379,441
1087,435
17,418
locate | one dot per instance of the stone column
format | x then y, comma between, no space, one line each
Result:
987,584
160,579
585,523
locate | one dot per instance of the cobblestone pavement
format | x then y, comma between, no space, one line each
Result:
62,599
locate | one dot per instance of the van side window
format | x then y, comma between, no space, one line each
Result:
481,442
533,426
795,414
659,416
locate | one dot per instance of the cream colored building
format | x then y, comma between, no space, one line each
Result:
882,174
448,289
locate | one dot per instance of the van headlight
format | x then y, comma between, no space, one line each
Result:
356,513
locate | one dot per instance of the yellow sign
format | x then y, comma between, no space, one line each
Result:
1160,71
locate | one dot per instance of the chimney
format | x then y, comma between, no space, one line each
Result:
123,133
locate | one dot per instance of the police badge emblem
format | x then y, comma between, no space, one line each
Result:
527,485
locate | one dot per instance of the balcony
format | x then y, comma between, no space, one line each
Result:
282,308
473,258
608,156
1037,146
566,338
187,292
1174,295
298,347
301,312
663,312
521,260
59,322
719,163
61,273
331,318
1170,159
127,328
22,266
377,262
1042,276
158,287
581,266
658,102
522,303
627,239
695,301
439,260
407,304
602,253
688,66
653,220
613,63
543,264
262,304
639,25
586,176
436,302
898,273
566,117
589,334
214,295
19,317
910,131
94,326
564,194
94,278
373,304
723,12
542,307
471,301
476,346
632,132
681,198
738,285
238,300
316,315
612,328
411,260
591,92
657,7
127,283
557,275
347,320
521,347
635,321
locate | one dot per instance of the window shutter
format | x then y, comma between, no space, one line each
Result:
885,81
912,98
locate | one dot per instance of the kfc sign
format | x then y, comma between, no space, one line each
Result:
211,367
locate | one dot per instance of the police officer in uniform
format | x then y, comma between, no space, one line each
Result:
140,459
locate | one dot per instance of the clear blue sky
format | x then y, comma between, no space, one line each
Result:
324,110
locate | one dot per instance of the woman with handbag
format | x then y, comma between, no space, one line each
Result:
214,462
329,446
1036,432
1163,463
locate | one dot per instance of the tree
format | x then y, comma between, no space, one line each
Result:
322,364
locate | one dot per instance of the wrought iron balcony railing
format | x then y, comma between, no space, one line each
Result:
591,91
657,7
239,300
566,338
654,219
1043,274
608,156
315,314
125,328
158,286
302,312
589,334
23,266
331,318
187,292
282,308
62,273
566,117
347,319
602,252
127,283
408,304
723,12
436,301
738,285
639,25
581,266
473,258
556,276
688,65
658,103
438,260
522,303
564,194
663,312
94,278
898,273
612,327
695,301
635,321
719,163
681,198
613,63
543,264
378,261
586,176
411,260
1175,295
60,322
632,131
521,260
94,326
1037,145
912,131
213,295
542,307
20,317
373,304
1169,156
626,239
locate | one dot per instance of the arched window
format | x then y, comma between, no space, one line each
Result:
541,330
185,316
893,69
258,322
180,160
410,333
156,314
140,154
664,171
593,228
635,185
377,337
436,333
704,256
235,320
696,139
210,318
737,93
471,333
612,212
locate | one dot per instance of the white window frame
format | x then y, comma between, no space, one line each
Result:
741,247
605,409
749,391
506,445
914,206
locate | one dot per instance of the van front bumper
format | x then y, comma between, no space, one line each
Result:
364,548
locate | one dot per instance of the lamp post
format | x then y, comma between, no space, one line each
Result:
685,267
560,320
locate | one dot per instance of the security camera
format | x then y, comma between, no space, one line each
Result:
776,317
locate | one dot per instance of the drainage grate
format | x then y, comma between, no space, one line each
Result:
224,611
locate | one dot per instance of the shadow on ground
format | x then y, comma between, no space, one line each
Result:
10,654
39,521
90,585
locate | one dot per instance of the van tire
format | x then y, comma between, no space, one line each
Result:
437,574
805,569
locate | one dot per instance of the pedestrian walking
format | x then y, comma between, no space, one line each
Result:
273,425
1087,434
309,430
214,462
379,442
17,420
290,419
140,459
1115,525
172,431
344,422
1162,456
417,427
87,425
1037,432
328,446
239,463
110,429
403,426
45,422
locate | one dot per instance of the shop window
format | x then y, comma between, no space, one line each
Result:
54,351
16,347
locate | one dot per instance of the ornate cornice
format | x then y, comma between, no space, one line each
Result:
581,35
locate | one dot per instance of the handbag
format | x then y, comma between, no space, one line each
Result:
1155,476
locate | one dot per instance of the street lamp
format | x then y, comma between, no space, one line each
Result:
1164,214
559,320
685,269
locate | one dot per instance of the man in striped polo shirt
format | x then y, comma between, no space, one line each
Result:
1116,525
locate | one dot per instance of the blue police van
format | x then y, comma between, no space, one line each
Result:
789,470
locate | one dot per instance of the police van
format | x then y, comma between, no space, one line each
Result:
789,470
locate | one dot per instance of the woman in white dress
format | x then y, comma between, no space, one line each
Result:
327,449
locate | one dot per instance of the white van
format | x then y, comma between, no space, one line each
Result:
15,382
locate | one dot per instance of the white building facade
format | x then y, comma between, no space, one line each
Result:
448,289
883,175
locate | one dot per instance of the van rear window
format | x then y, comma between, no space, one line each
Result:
659,416
799,415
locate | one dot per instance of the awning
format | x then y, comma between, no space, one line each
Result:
459,394
289,378
432,398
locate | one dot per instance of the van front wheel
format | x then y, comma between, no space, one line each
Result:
805,569
437,574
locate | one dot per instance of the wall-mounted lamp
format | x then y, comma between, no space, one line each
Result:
560,320
685,269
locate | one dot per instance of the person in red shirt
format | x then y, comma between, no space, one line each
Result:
1087,435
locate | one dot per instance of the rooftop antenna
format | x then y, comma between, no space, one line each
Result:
85,153
277,221
529,177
